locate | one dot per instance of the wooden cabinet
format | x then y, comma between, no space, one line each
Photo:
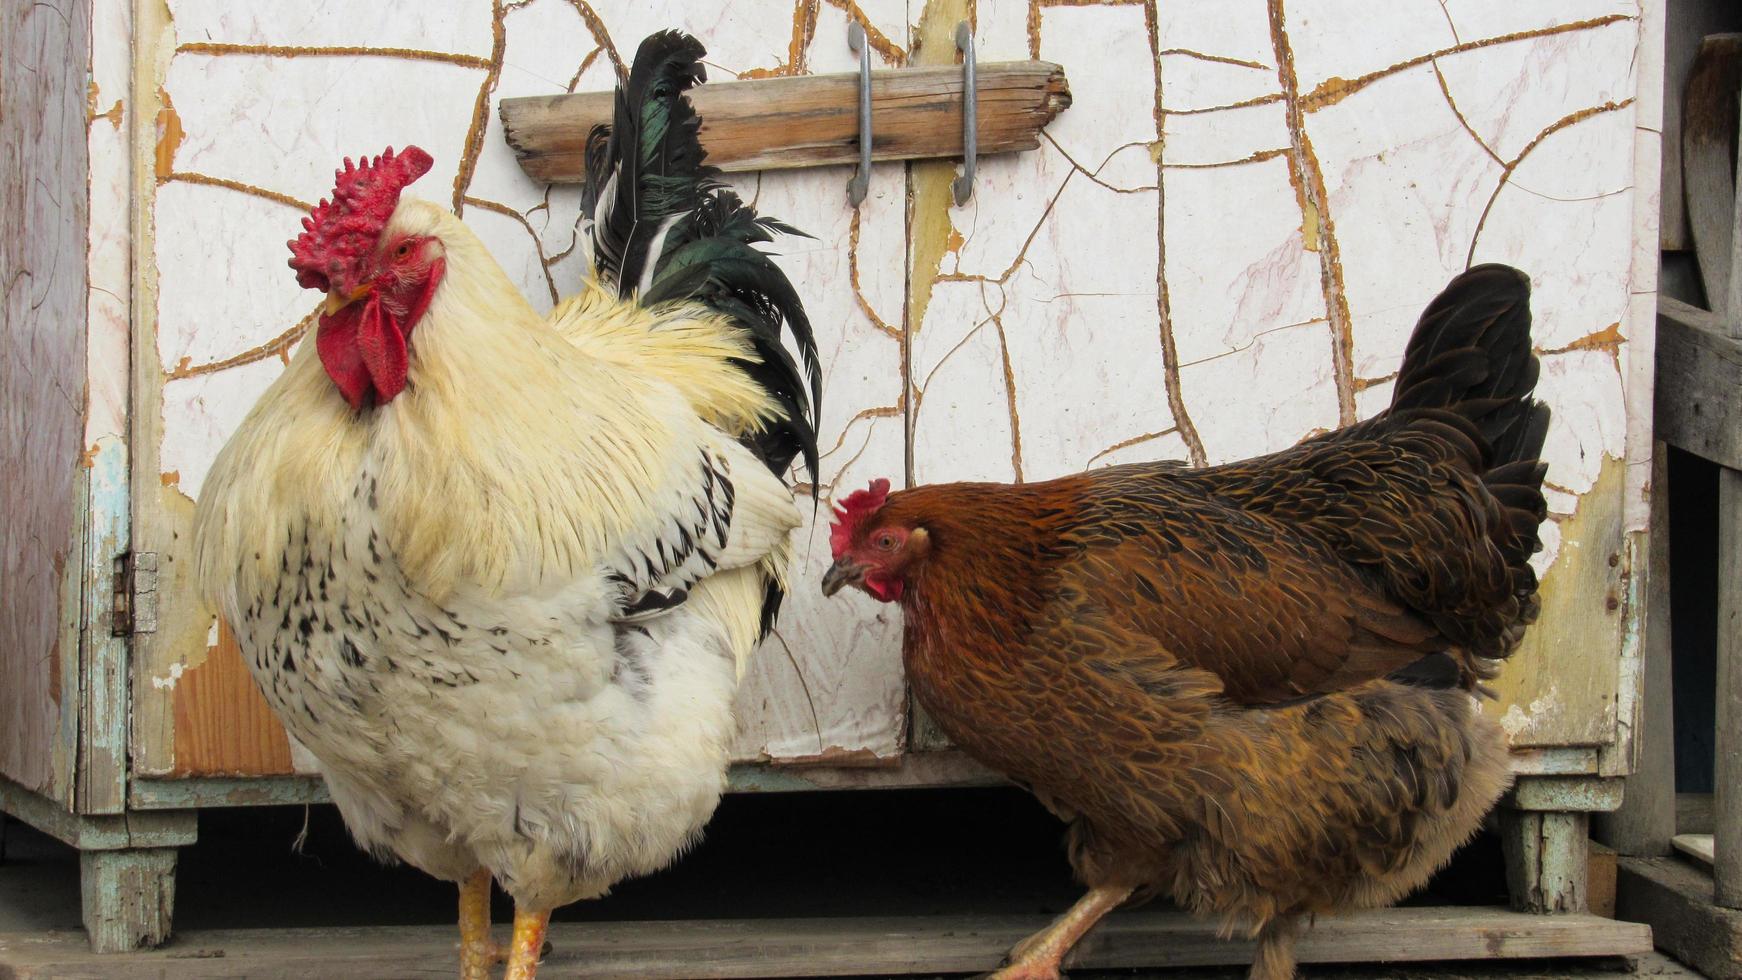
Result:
1218,250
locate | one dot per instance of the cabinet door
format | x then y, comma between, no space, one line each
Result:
256,105
44,499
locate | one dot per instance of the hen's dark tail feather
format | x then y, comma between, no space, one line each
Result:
666,229
1470,365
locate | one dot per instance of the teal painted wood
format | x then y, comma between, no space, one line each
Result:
1547,860
105,832
102,766
146,794
930,769
1567,794
128,897
63,787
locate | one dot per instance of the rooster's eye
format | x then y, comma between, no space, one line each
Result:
886,541
403,250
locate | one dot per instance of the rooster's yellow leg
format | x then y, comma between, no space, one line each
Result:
478,952
528,943
1039,956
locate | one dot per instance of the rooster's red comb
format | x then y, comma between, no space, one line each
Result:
851,512
341,231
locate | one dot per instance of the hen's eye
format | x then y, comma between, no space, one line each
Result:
403,250
886,541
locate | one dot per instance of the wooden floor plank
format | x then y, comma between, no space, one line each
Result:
825,947
1696,846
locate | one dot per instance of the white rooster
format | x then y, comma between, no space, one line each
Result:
501,573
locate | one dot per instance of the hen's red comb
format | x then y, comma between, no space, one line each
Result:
851,512
341,231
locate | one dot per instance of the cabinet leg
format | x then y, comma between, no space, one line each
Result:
1547,860
129,896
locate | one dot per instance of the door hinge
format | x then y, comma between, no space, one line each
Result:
134,609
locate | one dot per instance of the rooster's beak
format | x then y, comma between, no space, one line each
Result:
337,300
843,573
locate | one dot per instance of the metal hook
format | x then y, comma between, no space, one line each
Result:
963,186
860,185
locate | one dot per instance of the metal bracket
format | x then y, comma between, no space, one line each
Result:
860,185
963,186
134,605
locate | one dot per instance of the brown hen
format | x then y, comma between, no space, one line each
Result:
1248,686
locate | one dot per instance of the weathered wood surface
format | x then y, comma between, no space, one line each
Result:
1712,120
1727,745
1708,145
1646,819
127,898
1148,937
916,769
1675,899
1581,794
1696,846
43,208
812,121
1699,383
222,722
103,832
1693,813
1547,861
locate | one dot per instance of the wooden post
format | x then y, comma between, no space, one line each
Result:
128,897
1546,860
1727,774
1727,767
1710,173
1545,830
1645,822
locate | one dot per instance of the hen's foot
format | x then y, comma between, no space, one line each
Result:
528,944
1040,956
478,952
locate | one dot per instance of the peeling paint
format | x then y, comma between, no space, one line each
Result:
169,136
167,681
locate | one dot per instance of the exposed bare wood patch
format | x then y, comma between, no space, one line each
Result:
223,725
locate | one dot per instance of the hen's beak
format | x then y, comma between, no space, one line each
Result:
337,300
843,573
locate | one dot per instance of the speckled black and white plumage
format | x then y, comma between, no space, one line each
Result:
507,608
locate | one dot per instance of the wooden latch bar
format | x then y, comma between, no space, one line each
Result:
812,120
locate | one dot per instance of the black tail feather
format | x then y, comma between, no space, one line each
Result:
1470,356
665,228
1470,368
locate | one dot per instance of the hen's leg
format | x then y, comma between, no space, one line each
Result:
1039,956
1275,958
478,952
527,944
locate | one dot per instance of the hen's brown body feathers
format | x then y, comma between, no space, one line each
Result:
1191,666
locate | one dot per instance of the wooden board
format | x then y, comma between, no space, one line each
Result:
1675,899
1696,846
837,947
777,123
44,49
